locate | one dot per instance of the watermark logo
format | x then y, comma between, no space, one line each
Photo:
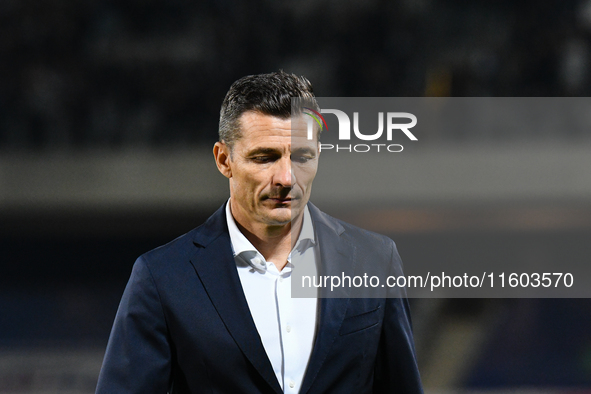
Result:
316,116
394,123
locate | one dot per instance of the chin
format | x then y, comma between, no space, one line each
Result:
279,220
279,216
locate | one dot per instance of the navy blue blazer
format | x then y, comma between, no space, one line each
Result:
184,326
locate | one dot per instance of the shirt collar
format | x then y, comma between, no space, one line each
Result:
241,244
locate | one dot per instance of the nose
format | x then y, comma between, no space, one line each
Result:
284,175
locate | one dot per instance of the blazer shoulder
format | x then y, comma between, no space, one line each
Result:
375,252
363,235
354,234
377,246
175,249
181,249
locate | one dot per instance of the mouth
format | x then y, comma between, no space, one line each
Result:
281,200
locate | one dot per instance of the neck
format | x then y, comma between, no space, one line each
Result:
273,242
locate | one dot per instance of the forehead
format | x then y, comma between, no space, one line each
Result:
257,128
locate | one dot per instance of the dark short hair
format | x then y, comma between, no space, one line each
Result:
269,94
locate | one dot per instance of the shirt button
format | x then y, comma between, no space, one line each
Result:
291,384
281,279
288,328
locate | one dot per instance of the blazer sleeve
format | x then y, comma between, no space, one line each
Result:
138,355
396,369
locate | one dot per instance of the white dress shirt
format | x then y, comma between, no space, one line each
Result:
286,325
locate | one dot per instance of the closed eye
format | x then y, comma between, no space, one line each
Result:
303,155
263,155
301,158
263,159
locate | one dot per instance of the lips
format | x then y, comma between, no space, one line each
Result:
281,199
283,196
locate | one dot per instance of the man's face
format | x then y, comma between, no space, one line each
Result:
271,169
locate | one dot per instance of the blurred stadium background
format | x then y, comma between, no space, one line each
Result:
108,111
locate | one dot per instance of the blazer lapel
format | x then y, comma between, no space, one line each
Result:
216,268
336,256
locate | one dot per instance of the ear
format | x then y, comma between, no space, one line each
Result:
221,152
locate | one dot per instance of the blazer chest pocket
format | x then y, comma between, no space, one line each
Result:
360,322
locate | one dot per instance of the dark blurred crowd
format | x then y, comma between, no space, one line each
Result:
105,73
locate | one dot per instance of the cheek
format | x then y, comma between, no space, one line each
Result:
253,184
305,176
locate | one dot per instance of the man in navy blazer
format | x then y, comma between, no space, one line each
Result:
187,322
